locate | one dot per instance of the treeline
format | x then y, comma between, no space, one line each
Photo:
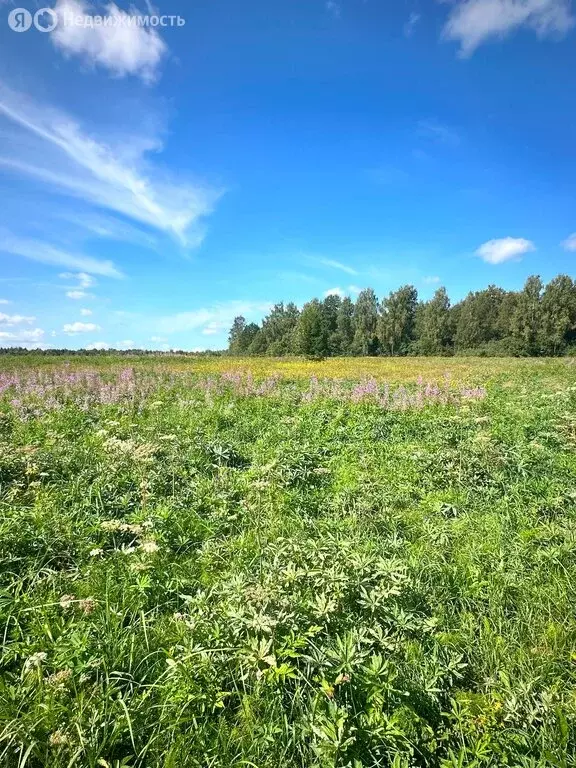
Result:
106,352
538,320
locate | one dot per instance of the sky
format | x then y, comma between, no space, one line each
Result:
161,174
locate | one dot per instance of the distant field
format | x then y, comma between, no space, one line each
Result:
217,562
398,369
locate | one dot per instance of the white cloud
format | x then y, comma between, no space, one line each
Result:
570,243
413,19
354,289
84,280
15,319
474,22
124,49
434,130
37,250
85,312
432,279
77,294
334,8
504,249
220,314
5,301
338,265
335,292
77,327
216,326
126,344
15,338
115,175
158,339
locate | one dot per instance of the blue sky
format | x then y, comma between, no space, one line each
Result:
157,181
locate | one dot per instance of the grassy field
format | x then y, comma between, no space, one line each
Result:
260,563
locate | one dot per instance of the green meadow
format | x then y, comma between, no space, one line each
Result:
354,563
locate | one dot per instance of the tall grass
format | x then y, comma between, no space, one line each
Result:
197,571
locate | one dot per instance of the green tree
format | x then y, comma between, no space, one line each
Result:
396,325
345,326
558,314
235,335
311,332
526,321
365,340
477,318
434,325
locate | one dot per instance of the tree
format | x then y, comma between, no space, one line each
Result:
536,320
312,333
330,308
345,326
396,326
526,320
241,336
433,325
558,314
478,318
235,335
365,341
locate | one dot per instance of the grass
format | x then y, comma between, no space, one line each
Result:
199,569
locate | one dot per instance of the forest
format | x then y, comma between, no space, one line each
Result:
537,320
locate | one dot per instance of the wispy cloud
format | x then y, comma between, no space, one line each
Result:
77,294
86,312
113,175
474,22
36,250
335,292
334,8
338,265
15,319
504,249
434,130
22,338
413,20
431,279
124,49
218,315
84,280
570,243
73,328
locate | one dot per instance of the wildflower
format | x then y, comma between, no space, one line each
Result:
111,525
59,679
128,550
87,605
96,552
58,739
149,547
35,660
66,601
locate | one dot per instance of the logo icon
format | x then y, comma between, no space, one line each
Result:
45,20
19,20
